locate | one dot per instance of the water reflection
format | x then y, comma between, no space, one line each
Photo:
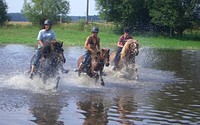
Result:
94,113
125,108
46,109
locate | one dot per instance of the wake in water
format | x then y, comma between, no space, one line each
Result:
23,82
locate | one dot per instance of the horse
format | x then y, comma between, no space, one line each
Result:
98,61
51,61
127,55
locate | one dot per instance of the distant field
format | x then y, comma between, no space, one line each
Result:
74,34
18,23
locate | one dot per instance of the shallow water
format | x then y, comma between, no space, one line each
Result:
166,92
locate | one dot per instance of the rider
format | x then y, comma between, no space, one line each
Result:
45,36
92,44
121,42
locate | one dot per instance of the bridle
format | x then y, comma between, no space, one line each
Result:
104,57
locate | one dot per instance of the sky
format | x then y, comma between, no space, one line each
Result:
77,7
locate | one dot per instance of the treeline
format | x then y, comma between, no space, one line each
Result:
22,18
16,17
160,16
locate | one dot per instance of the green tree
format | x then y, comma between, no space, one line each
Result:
36,11
176,14
131,13
3,12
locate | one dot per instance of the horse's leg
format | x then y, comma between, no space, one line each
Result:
58,80
44,79
102,82
96,76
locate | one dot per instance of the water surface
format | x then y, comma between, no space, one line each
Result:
166,92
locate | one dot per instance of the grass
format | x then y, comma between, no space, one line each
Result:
74,34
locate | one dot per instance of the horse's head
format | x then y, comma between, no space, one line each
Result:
99,59
129,50
57,51
104,56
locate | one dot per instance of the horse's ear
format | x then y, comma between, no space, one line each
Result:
98,53
61,44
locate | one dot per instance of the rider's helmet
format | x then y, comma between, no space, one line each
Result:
47,22
126,30
95,30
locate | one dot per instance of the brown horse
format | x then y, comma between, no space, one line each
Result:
98,60
127,55
51,61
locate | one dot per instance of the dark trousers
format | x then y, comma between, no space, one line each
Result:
117,56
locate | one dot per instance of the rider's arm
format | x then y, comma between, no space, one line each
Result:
40,38
41,43
120,44
98,43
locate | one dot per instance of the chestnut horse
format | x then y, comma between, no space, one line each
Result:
127,55
98,60
51,61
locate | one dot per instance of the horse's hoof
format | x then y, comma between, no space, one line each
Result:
102,83
79,73
65,71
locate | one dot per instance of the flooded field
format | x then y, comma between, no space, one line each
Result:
166,92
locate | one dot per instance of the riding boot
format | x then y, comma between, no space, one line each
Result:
31,76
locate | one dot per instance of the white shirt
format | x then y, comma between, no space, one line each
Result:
45,36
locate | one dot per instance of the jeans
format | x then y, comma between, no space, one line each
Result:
37,59
87,58
117,56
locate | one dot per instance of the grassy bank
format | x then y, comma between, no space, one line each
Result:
74,34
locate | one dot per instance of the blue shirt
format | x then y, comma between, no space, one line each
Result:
45,36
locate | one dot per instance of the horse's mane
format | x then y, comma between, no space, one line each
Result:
46,50
126,48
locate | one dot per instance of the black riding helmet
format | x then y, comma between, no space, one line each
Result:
126,30
47,22
95,30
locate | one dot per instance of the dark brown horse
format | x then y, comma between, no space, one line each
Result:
127,55
99,59
51,61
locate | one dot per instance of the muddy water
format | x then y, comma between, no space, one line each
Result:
166,92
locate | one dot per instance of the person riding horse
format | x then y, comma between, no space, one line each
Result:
121,42
98,60
92,45
45,36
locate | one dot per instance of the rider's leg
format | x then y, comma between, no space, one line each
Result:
117,58
87,59
35,63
